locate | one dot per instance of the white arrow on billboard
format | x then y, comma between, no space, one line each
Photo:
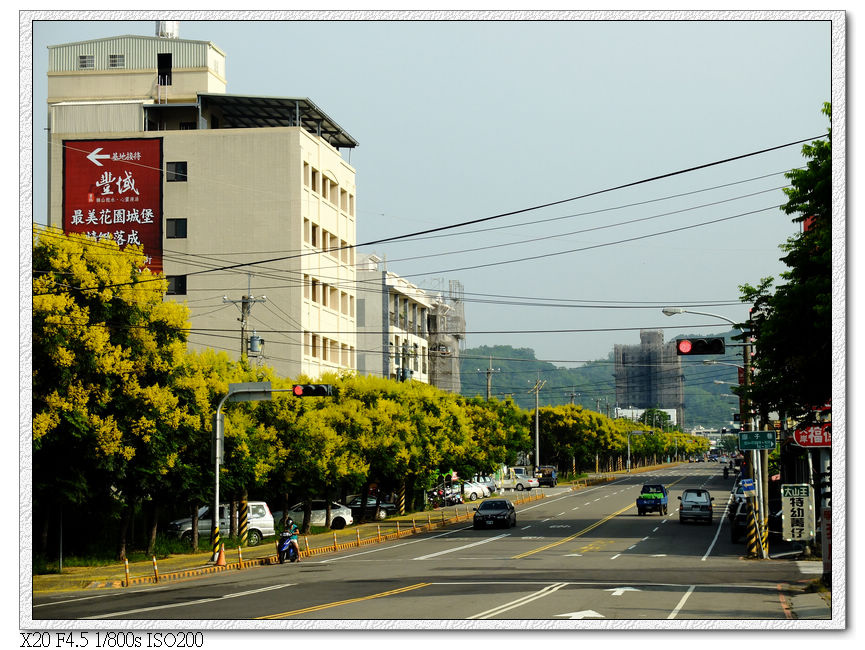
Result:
618,591
586,613
94,156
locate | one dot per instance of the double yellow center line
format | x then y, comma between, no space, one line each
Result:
584,530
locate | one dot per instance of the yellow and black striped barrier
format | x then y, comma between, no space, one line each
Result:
243,518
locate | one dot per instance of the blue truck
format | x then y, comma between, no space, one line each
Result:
653,498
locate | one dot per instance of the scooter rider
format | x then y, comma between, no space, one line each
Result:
292,529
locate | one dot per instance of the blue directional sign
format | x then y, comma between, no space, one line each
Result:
748,485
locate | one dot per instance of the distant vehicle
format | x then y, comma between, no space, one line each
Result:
653,498
487,481
495,512
474,491
518,479
385,509
340,515
697,505
259,523
548,476
738,518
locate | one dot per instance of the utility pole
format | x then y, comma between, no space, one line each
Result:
489,372
573,394
245,308
537,391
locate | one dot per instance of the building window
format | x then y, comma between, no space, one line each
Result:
176,285
175,172
188,126
85,61
175,228
116,60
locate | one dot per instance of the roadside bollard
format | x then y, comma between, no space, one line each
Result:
334,542
428,521
126,563
397,528
413,526
357,530
306,543
378,528
155,570
240,558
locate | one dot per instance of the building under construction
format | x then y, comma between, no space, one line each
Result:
649,375
447,332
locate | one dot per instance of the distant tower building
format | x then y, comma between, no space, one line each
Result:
649,375
447,332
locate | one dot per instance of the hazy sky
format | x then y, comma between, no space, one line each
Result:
461,120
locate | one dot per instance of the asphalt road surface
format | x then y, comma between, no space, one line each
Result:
581,555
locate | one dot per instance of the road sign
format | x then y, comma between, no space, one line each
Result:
251,391
750,440
748,486
797,512
816,435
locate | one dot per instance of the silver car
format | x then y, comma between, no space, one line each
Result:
259,523
697,505
340,515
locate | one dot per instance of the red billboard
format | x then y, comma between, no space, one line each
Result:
112,189
815,435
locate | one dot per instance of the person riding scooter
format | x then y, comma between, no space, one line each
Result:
292,529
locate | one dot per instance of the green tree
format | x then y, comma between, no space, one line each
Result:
105,349
793,324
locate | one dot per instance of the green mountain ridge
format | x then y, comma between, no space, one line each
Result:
516,371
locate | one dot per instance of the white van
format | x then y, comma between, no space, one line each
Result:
259,523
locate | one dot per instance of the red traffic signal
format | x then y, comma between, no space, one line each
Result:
700,346
312,390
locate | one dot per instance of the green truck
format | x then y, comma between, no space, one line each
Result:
653,498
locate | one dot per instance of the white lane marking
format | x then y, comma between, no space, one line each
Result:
655,529
615,556
718,532
459,548
645,538
525,527
501,609
632,547
681,604
201,601
577,508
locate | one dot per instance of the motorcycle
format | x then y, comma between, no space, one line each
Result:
285,550
726,472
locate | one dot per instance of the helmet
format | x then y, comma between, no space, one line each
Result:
289,522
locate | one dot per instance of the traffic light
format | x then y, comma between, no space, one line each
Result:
312,390
699,346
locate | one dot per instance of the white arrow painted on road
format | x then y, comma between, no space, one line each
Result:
586,613
618,591
94,155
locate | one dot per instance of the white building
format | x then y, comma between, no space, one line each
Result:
244,202
392,316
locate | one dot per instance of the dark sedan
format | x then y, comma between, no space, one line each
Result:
495,512
385,509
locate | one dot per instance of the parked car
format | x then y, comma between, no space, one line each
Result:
696,504
474,491
738,518
340,515
385,508
495,512
487,481
259,523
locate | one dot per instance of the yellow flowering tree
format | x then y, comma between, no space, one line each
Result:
105,346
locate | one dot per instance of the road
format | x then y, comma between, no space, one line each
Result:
573,556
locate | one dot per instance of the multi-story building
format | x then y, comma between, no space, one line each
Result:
244,202
447,335
649,375
392,315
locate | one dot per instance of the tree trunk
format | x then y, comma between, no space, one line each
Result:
124,529
151,541
232,519
194,527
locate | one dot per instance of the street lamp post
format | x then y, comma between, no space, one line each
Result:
759,459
